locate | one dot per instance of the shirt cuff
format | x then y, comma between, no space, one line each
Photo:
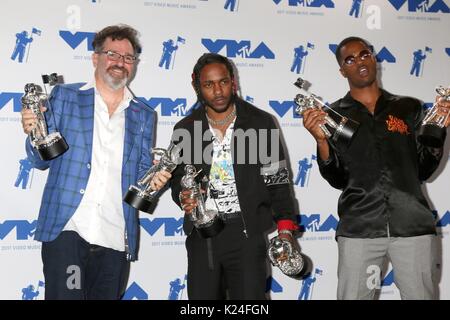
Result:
287,225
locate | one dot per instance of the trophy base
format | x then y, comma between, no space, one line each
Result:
137,200
345,131
53,146
211,229
432,135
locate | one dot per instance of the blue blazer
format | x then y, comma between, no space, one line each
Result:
72,110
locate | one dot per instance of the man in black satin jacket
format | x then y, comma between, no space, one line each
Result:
382,210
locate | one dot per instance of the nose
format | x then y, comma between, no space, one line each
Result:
217,89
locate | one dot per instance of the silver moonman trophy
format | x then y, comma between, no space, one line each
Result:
48,145
287,258
432,131
142,196
340,133
207,222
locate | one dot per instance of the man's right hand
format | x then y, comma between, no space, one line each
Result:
312,119
29,119
187,203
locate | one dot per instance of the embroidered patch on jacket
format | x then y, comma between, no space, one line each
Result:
396,125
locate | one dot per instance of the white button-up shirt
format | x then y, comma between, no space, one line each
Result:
99,219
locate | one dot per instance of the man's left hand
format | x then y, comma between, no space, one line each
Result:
160,179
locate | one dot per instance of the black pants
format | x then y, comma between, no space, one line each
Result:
226,266
77,270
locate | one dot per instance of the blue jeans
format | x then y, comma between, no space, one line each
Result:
77,270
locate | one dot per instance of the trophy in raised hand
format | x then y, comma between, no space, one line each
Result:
432,131
287,258
142,196
340,131
48,145
207,222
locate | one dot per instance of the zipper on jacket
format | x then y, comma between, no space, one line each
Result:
127,249
245,227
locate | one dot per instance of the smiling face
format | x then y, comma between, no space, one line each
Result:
114,74
358,65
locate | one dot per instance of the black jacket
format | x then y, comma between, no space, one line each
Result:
256,198
380,173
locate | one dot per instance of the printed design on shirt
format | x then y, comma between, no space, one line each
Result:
395,124
222,193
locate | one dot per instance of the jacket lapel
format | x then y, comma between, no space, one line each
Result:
132,122
86,103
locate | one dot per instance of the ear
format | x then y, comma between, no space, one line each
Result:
95,59
195,88
234,86
342,71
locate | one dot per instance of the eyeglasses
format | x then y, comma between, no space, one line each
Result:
115,56
363,55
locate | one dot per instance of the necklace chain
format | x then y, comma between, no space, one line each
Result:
230,116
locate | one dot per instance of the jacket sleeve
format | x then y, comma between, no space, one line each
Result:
177,174
278,182
148,132
428,157
333,170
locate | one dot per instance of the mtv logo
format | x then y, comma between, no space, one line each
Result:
282,107
421,5
308,3
171,226
75,39
241,48
7,97
312,223
169,107
135,292
24,229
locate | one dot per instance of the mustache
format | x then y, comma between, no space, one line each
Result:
125,71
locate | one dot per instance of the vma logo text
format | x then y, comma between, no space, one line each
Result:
312,223
308,3
282,108
171,226
421,5
243,48
75,39
24,229
7,97
169,107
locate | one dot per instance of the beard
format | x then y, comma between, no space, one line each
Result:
209,104
116,83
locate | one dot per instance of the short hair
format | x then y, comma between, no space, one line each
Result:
117,32
348,40
209,58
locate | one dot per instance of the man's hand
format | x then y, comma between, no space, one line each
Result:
187,203
312,119
29,119
160,179
443,108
